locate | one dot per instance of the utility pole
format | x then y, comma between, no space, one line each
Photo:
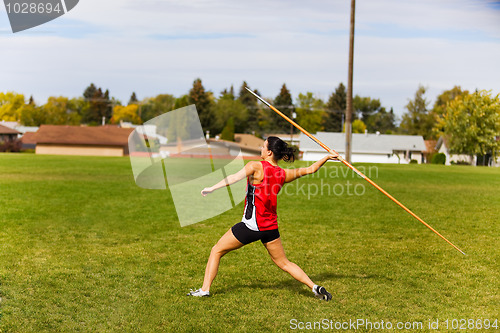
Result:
348,119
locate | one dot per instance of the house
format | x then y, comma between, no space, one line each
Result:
8,134
369,148
245,144
18,127
10,124
294,139
82,140
28,140
442,147
249,144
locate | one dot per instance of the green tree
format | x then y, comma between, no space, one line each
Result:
106,106
181,102
418,121
263,120
90,91
284,103
471,124
257,120
446,97
442,102
99,106
374,115
152,107
252,106
225,109
228,94
365,107
228,131
310,112
246,98
79,105
203,101
133,99
335,108
381,121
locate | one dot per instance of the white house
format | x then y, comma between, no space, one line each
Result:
369,148
442,147
18,127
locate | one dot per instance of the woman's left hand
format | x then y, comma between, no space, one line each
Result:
333,156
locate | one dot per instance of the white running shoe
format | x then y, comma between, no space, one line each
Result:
199,293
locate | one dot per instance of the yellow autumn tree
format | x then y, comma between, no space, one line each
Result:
10,106
57,111
128,113
358,126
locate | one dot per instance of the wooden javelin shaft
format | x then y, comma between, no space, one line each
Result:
341,159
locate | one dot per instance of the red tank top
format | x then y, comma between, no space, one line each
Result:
261,199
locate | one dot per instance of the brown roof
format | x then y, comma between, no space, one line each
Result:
248,141
8,130
29,138
78,135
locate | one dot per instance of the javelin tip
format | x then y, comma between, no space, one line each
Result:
258,97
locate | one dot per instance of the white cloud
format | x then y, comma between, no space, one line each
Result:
153,47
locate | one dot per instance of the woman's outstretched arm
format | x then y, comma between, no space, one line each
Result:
246,171
292,174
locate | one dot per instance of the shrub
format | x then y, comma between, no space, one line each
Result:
439,158
10,146
228,131
413,162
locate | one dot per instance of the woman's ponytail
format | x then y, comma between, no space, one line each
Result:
280,149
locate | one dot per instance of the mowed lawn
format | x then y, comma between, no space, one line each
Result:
83,249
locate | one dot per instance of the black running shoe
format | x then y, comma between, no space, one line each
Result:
321,293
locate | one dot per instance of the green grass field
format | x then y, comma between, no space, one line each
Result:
83,249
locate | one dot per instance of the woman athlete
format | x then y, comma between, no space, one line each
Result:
265,179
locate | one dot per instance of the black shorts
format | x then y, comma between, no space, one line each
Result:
247,236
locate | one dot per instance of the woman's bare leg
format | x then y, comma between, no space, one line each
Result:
225,244
277,253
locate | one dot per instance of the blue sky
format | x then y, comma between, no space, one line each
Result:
154,47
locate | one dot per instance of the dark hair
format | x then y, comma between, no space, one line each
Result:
280,149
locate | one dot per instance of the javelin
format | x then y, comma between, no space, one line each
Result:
341,159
